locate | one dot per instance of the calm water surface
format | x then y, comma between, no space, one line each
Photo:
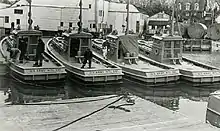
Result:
183,97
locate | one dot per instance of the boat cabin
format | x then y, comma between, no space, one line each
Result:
167,49
122,48
77,43
27,41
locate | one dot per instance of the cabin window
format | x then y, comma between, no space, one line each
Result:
90,6
177,44
176,53
6,19
167,44
18,21
85,42
70,24
167,54
61,23
18,11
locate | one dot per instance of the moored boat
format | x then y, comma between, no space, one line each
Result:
70,52
213,110
123,52
168,50
51,70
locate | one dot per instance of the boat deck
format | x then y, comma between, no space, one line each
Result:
72,61
48,64
144,66
137,117
189,67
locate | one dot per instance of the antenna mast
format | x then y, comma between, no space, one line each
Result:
30,21
80,18
127,19
172,19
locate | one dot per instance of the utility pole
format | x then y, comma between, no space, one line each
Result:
80,18
127,19
172,20
30,21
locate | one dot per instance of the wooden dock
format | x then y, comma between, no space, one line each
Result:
142,116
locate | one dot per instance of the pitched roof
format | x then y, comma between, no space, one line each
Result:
3,5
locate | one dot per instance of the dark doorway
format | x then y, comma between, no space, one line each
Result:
74,47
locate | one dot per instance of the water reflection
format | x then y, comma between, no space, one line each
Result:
167,95
170,95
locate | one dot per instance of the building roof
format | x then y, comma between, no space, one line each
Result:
3,5
161,16
120,7
55,3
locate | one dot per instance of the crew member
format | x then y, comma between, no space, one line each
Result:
39,53
87,57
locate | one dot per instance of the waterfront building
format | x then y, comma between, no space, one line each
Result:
193,10
158,22
53,16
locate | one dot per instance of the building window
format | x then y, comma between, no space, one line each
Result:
6,19
18,11
70,24
187,6
196,6
90,25
90,6
100,12
61,23
93,26
18,22
180,6
187,14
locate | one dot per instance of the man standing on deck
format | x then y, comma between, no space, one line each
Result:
87,57
39,53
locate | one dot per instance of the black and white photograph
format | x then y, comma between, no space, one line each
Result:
109,65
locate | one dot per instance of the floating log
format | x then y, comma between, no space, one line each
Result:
197,30
213,31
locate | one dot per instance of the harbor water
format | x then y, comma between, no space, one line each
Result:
182,97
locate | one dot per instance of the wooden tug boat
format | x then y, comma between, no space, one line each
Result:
168,50
49,73
123,52
70,53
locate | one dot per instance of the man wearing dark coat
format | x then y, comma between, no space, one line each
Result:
23,47
39,53
87,57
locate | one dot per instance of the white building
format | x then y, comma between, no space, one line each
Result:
54,15
50,15
117,15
